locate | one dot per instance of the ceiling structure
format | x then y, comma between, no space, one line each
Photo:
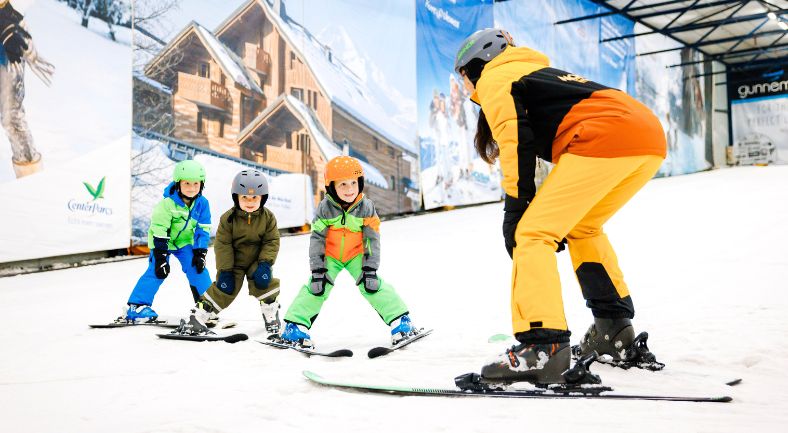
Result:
742,34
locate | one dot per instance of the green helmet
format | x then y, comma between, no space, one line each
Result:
188,169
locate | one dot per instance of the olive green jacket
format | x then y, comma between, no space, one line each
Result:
243,239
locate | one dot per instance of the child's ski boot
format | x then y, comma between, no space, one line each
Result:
401,329
616,339
138,314
296,335
198,321
271,317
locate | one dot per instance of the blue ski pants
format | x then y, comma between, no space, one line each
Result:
149,283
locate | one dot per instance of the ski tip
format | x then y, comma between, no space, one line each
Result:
312,376
734,382
235,338
342,352
378,351
497,338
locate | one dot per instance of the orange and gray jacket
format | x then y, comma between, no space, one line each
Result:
535,110
343,234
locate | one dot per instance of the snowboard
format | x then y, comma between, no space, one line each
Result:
232,338
379,351
581,391
339,353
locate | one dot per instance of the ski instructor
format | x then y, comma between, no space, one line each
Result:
606,146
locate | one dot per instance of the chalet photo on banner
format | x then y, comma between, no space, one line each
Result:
267,85
64,145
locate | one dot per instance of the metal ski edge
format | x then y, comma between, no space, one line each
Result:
339,353
402,390
232,338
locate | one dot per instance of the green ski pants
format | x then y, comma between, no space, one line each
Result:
306,306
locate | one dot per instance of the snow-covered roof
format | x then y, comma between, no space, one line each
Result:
327,147
230,62
338,82
153,83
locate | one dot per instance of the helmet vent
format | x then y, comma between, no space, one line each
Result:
487,45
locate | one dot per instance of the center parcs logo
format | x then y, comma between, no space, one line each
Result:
98,191
91,207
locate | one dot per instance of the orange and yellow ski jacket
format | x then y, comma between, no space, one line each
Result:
535,110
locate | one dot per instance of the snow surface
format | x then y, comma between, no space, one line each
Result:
704,256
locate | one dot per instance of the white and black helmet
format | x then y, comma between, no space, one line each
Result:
250,182
478,49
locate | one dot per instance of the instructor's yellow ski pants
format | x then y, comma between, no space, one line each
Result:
575,201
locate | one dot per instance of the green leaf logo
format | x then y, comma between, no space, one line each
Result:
97,192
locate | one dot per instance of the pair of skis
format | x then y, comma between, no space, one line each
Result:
175,334
375,352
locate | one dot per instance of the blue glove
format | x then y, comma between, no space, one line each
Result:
262,276
226,282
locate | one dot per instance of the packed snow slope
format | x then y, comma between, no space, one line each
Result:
703,254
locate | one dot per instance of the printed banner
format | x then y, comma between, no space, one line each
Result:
283,88
759,115
64,148
451,171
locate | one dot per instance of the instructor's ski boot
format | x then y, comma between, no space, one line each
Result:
296,335
271,317
615,342
138,314
402,329
539,364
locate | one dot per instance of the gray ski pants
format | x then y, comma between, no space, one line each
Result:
12,115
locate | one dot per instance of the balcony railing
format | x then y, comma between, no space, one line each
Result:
257,59
203,90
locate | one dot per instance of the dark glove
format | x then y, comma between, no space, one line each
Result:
513,208
320,280
160,267
369,278
226,282
262,275
14,39
198,259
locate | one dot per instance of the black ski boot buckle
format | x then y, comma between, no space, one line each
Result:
580,373
639,354
475,382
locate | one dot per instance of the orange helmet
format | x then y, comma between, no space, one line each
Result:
343,167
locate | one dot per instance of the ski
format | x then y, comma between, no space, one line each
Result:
124,324
340,353
233,338
592,391
379,351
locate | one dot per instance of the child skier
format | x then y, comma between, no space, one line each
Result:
180,225
345,235
247,243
